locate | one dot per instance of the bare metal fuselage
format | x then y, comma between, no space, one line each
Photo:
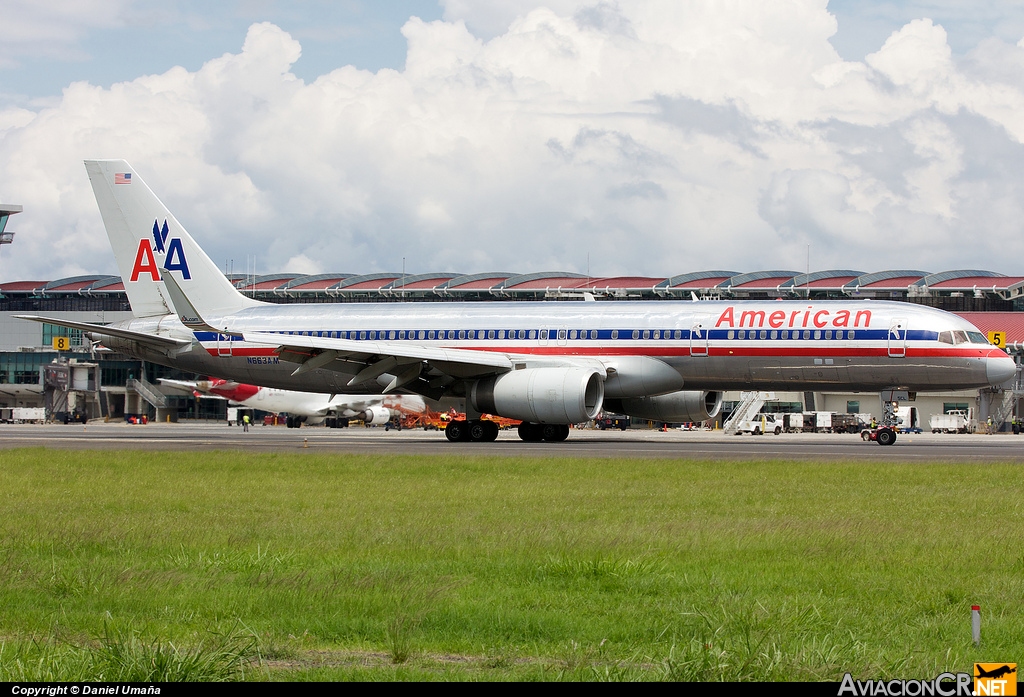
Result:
790,345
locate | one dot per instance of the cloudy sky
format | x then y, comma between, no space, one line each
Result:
648,137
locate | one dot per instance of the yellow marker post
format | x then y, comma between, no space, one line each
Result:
997,339
61,343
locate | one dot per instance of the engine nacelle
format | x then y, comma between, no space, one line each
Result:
376,415
639,376
542,395
677,407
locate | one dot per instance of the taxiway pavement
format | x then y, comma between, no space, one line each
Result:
634,443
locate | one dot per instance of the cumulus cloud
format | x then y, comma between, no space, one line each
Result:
656,137
302,264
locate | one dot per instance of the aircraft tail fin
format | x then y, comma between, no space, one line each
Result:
149,243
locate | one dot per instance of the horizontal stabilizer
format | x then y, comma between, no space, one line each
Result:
101,330
180,305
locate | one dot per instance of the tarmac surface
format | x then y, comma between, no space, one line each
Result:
634,443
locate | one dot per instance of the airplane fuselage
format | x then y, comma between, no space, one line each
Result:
712,345
311,405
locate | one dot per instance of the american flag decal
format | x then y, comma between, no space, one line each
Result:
125,178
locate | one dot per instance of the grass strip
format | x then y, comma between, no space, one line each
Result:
497,568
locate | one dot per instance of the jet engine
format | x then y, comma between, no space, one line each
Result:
376,415
676,407
541,395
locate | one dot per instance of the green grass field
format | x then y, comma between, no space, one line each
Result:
148,566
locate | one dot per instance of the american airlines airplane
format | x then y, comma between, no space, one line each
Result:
549,364
306,407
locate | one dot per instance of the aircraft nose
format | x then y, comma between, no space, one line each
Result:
1000,369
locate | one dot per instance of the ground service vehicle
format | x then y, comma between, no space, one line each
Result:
792,423
908,419
548,364
607,421
955,421
847,423
817,421
761,424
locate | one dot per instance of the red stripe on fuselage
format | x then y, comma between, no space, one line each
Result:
670,351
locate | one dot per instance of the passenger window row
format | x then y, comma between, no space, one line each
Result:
570,334
785,334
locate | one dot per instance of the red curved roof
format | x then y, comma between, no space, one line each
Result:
548,282
76,285
764,283
619,282
268,285
835,282
481,284
901,282
371,285
1000,282
322,284
703,282
425,284
1010,322
21,286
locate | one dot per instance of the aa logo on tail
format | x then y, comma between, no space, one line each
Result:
160,236
171,250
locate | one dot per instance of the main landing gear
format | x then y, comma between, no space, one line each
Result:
534,433
484,431
471,431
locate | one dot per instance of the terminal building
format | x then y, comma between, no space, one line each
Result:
96,383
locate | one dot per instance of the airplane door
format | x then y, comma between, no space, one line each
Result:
563,335
699,336
898,338
223,344
543,336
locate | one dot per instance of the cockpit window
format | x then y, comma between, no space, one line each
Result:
977,338
946,337
960,337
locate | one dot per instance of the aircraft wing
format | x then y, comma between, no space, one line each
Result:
141,337
183,385
372,359
193,388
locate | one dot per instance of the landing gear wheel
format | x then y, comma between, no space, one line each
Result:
530,432
886,436
482,431
555,433
457,431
